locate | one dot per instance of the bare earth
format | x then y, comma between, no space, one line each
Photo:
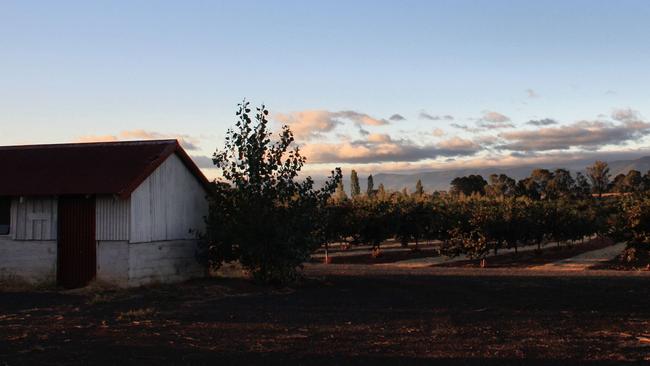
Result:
344,314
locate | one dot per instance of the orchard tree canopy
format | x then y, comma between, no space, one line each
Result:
261,214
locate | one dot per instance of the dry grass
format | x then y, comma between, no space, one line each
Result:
136,314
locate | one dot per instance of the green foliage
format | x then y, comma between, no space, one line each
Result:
371,186
355,189
468,185
261,214
599,176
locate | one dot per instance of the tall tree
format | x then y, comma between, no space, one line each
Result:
599,176
542,177
260,214
371,186
381,191
419,190
561,184
634,181
500,185
339,193
528,187
355,189
582,187
468,185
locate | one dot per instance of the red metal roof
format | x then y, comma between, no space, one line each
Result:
88,168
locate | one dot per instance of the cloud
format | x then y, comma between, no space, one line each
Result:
309,124
381,148
396,117
542,122
378,138
313,123
494,120
530,93
495,117
626,114
188,142
466,128
438,132
459,144
610,92
588,135
430,117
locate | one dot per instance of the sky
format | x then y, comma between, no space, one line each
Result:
377,86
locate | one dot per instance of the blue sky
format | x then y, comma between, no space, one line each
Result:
102,70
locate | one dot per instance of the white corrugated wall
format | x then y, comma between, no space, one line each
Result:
168,205
112,218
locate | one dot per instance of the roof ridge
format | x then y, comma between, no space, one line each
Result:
89,144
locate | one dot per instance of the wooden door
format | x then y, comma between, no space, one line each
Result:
77,257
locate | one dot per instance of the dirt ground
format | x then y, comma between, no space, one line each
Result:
548,254
343,314
385,256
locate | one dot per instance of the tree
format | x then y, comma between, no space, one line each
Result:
618,184
419,190
528,187
634,181
542,177
260,214
355,189
381,192
599,176
371,186
561,184
500,185
582,187
339,193
468,185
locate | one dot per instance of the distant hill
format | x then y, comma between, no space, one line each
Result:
440,179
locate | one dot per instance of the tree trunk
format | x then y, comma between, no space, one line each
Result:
327,257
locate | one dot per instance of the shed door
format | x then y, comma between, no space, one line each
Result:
76,242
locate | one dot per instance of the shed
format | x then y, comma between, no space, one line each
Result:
125,213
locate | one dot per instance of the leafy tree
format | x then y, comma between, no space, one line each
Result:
381,192
355,189
371,186
618,184
634,181
542,177
528,187
500,185
468,185
599,176
261,214
582,188
339,193
561,184
419,190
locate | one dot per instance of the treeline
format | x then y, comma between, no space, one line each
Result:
479,216
541,184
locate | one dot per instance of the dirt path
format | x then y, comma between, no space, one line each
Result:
585,260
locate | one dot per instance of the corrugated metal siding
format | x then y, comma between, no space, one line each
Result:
112,218
168,204
36,219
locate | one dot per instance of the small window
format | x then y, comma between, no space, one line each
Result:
5,215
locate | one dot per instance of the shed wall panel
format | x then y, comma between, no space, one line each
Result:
36,218
112,218
141,214
169,205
